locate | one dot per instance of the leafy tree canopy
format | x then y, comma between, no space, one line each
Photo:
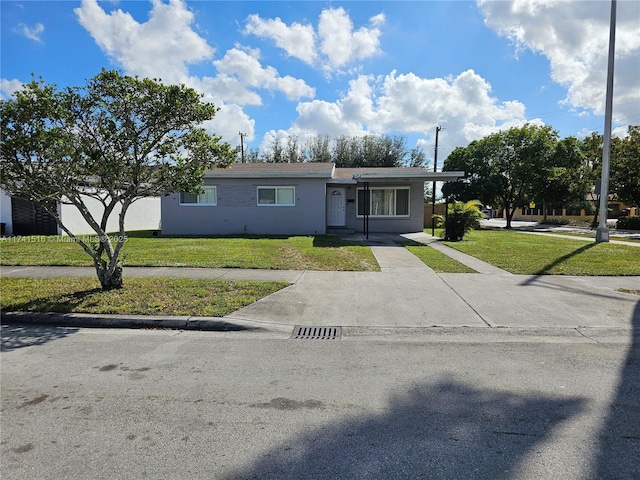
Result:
344,150
116,139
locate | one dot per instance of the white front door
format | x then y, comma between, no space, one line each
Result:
336,202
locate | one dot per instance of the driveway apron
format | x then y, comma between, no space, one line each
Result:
405,293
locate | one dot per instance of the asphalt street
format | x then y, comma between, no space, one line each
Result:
483,403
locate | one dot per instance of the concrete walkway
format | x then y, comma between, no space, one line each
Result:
404,294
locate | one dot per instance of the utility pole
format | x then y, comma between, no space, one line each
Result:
242,135
433,188
602,233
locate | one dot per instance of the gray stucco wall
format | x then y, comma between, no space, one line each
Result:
413,223
237,211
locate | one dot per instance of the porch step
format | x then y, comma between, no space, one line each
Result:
340,231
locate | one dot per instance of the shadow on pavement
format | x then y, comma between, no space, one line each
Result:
619,453
445,430
19,336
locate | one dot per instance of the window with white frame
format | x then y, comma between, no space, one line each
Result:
207,197
276,196
385,202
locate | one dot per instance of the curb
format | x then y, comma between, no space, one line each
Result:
212,324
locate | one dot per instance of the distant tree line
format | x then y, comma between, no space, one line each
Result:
512,168
345,151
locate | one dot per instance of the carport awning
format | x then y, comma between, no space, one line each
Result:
352,176
422,175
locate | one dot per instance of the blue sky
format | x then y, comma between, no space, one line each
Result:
305,68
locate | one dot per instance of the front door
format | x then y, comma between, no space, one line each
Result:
336,202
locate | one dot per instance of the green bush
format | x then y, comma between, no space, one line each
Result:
461,217
555,221
628,223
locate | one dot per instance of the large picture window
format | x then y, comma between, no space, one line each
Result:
207,197
278,196
385,202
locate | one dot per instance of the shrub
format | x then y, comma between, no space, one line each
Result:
628,223
461,217
555,221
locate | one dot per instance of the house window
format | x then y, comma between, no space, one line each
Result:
385,202
282,196
207,197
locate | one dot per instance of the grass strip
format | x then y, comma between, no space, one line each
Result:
528,254
437,261
320,252
626,290
139,296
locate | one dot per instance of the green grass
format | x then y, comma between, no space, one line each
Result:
523,253
626,290
140,296
323,252
437,261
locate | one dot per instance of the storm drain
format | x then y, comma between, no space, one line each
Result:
316,333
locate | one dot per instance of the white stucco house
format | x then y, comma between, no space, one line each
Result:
21,217
301,199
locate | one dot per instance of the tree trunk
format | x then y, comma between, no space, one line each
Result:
510,213
110,281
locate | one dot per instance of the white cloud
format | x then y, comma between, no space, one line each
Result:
245,67
296,40
574,36
32,33
340,44
9,87
162,47
166,44
334,46
408,103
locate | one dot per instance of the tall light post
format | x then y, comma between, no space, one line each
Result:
433,188
602,233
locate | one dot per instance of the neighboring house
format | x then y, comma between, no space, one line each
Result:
21,217
301,199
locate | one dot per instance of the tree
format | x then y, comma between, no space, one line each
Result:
565,179
625,167
318,149
592,150
503,168
116,140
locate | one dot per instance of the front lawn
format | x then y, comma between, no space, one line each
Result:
437,261
322,252
524,253
139,296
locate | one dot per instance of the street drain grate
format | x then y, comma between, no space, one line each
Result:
316,333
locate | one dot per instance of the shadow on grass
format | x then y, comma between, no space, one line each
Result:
324,241
442,430
558,261
61,303
619,452
20,336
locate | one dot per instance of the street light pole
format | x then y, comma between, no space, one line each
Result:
433,188
602,233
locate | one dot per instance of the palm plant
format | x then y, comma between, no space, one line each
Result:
460,218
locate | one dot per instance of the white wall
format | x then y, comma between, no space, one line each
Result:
143,214
5,212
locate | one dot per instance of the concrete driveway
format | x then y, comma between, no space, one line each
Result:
407,293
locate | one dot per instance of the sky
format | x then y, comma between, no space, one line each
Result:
303,68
